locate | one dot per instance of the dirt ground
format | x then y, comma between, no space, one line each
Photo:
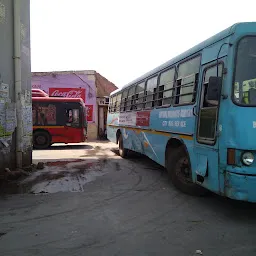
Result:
89,201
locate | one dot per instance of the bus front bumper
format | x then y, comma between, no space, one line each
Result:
240,186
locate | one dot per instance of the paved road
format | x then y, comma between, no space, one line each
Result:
130,209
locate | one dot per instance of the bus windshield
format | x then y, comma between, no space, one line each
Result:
245,74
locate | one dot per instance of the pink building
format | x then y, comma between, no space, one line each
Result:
88,85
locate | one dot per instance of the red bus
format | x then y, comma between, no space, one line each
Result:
58,120
39,93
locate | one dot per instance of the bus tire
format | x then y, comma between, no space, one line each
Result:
123,152
179,171
41,140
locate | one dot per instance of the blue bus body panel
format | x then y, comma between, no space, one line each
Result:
240,187
242,136
236,126
174,120
146,142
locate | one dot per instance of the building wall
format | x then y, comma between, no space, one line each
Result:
71,84
8,110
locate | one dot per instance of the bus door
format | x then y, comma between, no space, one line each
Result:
73,119
206,141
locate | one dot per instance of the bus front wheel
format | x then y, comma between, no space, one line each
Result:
41,140
179,171
123,152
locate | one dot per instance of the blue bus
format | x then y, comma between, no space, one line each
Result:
196,115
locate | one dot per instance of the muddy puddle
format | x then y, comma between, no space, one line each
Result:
57,176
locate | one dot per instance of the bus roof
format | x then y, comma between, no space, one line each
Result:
221,35
39,93
57,99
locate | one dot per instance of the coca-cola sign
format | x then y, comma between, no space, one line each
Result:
67,92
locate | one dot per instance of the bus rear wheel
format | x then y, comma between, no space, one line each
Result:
179,171
123,152
41,140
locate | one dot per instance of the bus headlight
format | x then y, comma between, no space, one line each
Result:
247,158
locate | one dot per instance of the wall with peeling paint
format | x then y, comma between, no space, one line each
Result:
8,110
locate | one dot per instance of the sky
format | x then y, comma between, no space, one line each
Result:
123,39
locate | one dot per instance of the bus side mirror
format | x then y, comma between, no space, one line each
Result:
214,89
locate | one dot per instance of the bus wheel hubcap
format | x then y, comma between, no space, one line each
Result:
40,140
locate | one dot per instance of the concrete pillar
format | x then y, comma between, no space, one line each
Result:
13,107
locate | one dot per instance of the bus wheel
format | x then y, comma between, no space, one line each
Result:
41,140
123,152
179,170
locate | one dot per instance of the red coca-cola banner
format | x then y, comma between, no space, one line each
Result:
89,110
67,92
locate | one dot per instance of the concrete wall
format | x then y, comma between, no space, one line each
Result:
7,154
8,110
26,111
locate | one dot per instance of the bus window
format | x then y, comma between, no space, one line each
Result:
114,104
245,74
166,87
70,116
139,95
73,117
44,114
110,105
76,117
34,115
131,97
124,100
150,92
118,102
208,112
187,81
